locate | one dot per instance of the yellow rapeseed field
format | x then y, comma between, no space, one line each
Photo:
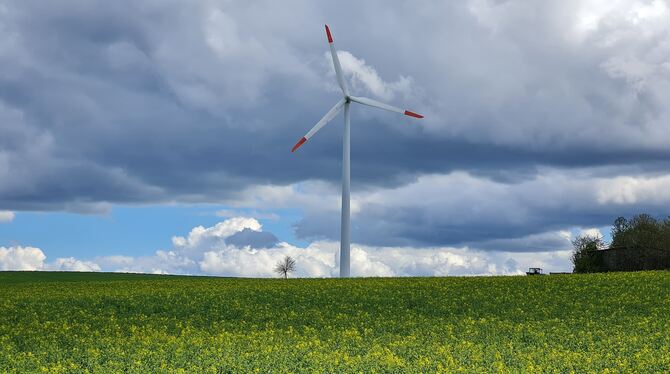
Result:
101,323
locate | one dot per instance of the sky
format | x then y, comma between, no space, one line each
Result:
155,136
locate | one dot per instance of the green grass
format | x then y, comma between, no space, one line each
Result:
93,322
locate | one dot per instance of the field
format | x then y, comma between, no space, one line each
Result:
81,322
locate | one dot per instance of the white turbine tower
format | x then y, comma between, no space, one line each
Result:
345,236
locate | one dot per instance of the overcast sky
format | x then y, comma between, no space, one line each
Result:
127,125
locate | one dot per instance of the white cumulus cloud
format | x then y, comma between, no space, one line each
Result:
205,251
21,258
363,77
591,232
320,259
6,216
72,264
218,232
32,258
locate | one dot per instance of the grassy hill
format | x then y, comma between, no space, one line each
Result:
64,322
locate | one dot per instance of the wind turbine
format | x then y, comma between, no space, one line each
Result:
345,235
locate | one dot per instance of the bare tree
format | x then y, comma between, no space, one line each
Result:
285,266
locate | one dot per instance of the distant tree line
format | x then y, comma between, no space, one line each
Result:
639,243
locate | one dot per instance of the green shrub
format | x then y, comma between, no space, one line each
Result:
587,257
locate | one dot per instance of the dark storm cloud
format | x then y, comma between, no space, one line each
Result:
253,239
147,102
461,209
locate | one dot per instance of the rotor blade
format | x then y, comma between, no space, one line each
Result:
329,116
336,63
377,104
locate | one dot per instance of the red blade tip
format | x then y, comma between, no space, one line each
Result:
412,114
330,37
298,144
